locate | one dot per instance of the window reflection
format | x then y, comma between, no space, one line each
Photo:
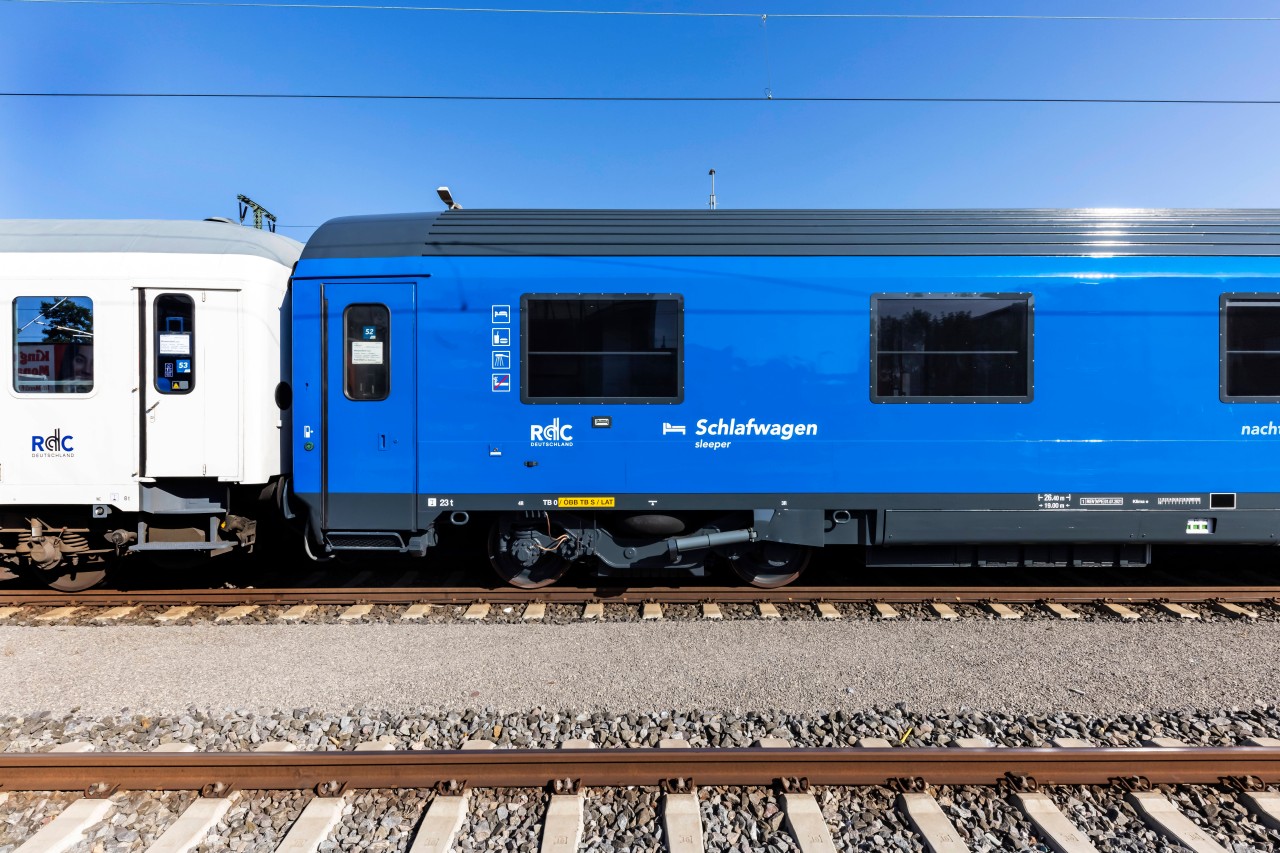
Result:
952,349
53,344
602,348
1251,363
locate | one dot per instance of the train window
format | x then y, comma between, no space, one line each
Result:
951,348
52,344
366,370
602,348
175,315
1250,340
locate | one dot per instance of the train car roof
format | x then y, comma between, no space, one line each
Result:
188,237
1069,232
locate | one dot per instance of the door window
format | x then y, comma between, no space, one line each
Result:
366,370
175,343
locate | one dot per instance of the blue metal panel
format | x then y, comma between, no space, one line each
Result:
306,356
370,447
1125,398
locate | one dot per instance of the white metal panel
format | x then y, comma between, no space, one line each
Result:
95,458
263,365
196,434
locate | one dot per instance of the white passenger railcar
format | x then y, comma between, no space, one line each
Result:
146,390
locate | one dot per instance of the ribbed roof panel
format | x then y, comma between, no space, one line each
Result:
1092,231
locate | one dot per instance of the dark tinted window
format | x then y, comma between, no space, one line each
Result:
175,343
602,348
52,344
366,372
1251,348
959,349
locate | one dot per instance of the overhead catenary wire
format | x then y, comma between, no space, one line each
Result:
266,4
768,97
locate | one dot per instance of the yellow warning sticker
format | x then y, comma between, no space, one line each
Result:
585,503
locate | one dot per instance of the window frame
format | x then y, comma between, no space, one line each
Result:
346,351
158,357
1029,397
1223,301
16,357
526,298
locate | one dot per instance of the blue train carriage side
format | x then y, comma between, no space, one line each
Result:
649,388
141,413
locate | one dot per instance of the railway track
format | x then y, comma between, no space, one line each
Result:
1031,781
643,602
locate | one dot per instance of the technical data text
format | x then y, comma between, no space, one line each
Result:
585,503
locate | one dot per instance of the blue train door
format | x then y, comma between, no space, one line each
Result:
369,476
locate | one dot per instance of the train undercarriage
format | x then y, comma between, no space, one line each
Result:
71,549
532,550
766,548
770,548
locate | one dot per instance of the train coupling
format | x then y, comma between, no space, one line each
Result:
244,529
708,540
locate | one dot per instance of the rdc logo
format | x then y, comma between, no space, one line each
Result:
56,443
551,432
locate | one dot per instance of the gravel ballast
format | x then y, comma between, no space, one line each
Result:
629,819
630,684
221,730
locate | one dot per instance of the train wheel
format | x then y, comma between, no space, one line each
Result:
769,565
514,556
77,581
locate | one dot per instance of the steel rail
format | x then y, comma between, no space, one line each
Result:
642,594
334,771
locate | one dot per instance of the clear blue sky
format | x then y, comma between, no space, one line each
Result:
308,161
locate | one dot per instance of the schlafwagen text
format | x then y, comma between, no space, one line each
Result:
750,427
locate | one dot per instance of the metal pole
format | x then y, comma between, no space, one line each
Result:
259,212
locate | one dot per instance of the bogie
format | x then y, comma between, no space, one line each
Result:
523,555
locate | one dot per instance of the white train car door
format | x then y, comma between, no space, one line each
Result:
191,383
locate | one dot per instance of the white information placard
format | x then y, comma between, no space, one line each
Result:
175,343
366,352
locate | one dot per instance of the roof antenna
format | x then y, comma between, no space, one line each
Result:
447,198
712,203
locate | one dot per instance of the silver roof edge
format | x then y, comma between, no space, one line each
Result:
174,236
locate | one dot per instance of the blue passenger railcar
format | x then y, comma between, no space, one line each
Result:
647,388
